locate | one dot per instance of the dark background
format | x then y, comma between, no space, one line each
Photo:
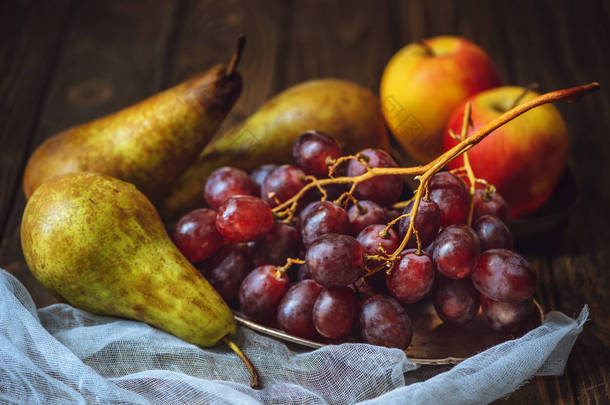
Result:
63,62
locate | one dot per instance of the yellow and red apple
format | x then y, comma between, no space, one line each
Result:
424,82
525,158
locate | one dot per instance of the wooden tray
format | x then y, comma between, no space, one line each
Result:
434,342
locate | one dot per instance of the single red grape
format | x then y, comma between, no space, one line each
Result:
334,312
311,151
446,179
456,301
295,312
471,232
504,276
282,184
323,217
196,235
304,213
384,190
278,245
490,204
493,233
370,240
506,316
450,194
384,322
455,252
427,222
335,260
244,218
261,291
259,175
363,214
226,270
227,182
411,277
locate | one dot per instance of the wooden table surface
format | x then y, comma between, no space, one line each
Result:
64,62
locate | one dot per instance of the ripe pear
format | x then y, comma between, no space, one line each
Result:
148,144
344,110
99,243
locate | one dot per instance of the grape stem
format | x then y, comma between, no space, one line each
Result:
423,173
289,262
472,180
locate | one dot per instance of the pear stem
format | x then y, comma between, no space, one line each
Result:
253,374
234,63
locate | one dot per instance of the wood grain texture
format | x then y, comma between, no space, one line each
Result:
206,35
31,42
33,39
68,62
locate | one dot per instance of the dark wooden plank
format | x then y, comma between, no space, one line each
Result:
207,37
112,56
342,39
571,267
590,150
30,39
578,270
32,35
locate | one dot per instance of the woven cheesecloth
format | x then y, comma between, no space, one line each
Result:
62,355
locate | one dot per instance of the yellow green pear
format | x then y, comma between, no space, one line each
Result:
344,110
148,144
99,243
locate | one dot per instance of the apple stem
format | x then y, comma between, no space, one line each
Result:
426,47
423,173
234,62
254,383
527,89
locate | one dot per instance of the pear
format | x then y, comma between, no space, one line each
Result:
344,110
148,144
99,243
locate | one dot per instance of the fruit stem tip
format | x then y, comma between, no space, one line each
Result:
426,47
254,383
234,63
587,88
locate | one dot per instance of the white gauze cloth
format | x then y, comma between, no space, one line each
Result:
62,355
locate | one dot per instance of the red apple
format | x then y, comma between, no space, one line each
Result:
524,158
424,82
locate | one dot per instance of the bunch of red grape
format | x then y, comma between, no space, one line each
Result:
345,281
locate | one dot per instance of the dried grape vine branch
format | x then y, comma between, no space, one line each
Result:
423,173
